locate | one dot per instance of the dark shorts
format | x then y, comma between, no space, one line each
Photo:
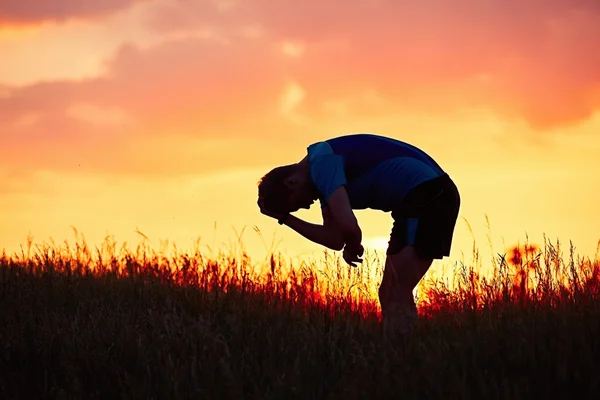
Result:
426,219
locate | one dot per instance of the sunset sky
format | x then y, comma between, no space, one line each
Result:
162,115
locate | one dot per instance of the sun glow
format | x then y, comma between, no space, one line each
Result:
376,243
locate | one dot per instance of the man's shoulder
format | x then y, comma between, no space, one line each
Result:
318,151
319,148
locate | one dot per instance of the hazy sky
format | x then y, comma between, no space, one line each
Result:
163,114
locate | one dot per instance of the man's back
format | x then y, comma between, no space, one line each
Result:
362,152
376,171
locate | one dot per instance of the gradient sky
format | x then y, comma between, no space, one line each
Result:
162,115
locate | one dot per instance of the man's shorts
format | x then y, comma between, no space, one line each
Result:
426,218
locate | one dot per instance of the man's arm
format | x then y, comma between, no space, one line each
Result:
328,234
340,226
328,175
344,217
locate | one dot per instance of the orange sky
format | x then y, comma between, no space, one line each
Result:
162,115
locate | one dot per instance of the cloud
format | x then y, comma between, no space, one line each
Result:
256,73
153,113
17,11
172,16
4,91
96,115
535,59
291,98
186,76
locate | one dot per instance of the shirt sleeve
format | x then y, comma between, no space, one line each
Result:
326,170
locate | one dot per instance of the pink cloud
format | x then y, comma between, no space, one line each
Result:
540,58
185,15
17,11
537,58
159,105
200,77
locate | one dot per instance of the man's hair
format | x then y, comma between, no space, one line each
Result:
272,188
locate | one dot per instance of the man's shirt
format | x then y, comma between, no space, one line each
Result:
376,171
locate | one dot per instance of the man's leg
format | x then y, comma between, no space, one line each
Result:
425,219
402,273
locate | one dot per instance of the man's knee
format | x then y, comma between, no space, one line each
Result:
407,267
394,292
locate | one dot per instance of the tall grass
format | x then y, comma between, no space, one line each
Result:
118,322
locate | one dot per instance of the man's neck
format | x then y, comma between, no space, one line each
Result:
303,167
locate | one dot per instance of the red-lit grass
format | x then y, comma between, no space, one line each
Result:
109,322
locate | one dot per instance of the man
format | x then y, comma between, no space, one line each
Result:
361,171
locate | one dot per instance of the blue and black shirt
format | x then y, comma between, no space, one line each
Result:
376,171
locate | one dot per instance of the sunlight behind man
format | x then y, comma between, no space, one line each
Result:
376,243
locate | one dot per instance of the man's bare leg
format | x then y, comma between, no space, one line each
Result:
401,274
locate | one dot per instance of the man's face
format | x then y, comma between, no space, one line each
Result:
300,197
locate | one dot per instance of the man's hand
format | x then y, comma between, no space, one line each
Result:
352,254
265,211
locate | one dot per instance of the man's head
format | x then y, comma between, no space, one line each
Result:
287,189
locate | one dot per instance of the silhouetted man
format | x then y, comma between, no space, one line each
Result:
363,171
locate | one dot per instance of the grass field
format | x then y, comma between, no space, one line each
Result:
113,322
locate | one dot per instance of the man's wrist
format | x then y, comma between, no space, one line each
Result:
282,220
352,240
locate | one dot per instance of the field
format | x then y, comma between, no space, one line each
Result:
112,322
